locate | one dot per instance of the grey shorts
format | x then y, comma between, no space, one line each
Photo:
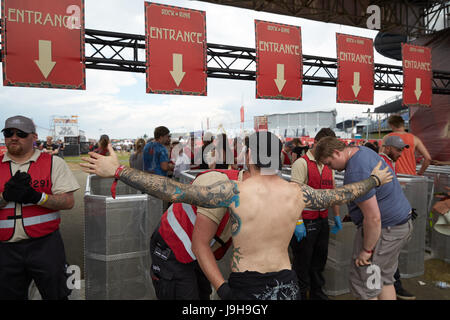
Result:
366,282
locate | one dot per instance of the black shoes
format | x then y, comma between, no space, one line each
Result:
402,294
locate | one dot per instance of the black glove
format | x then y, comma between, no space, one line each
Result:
413,214
224,292
15,188
19,179
14,193
18,189
31,195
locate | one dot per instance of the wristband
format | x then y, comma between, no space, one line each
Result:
43,200
116,177
118,170
378,180
299,222
368,251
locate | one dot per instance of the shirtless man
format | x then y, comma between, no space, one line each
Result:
265,209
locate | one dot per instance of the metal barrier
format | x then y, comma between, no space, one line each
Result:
438,244
116,241
412,255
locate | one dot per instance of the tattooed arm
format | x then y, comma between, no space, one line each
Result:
219,194
324,198
63,201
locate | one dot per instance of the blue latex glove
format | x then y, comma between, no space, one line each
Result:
337,225
300,231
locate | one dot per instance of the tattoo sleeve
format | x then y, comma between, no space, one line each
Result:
61,201
324,198
219,194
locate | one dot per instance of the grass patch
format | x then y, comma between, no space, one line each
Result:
123,158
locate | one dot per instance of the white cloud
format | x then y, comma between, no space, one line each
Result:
116,102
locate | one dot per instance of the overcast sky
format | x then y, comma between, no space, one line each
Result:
116,103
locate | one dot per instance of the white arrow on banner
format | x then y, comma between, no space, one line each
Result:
177,68
356,87
418,90
279,81
45,63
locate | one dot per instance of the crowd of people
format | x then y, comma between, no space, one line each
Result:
237,202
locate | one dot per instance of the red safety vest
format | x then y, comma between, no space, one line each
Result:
37,221
317,181
287,160
177,225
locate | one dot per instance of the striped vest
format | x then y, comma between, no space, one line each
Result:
317,181
37,221
177,226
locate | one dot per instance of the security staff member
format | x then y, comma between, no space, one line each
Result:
34,187
176,254
310,241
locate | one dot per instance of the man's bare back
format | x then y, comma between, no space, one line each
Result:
263,223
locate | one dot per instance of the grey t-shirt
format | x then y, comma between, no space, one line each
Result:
393,204
137,161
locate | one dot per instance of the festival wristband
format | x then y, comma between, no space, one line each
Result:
116,177
378,180
118,170
43,200
299,222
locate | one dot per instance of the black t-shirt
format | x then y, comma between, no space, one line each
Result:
53,146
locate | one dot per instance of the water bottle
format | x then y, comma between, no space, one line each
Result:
442,284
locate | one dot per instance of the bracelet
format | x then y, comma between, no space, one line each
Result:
118,170
299,222
378,180
116,177
368,251
43,200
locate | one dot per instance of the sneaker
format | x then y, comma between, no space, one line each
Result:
402,294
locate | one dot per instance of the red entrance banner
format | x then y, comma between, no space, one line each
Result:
176,50
417,75
355,69
43,43
278,61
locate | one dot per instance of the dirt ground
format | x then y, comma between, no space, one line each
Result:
72,230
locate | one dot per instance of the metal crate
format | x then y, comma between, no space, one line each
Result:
336,276
116,240
411,262
440,246
411,259
440,178
340,245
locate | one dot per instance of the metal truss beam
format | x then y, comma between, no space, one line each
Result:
115,51
231,62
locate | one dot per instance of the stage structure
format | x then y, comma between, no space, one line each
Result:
64,127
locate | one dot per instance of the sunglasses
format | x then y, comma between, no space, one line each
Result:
8,133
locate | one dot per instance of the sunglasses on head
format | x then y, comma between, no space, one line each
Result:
8,133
